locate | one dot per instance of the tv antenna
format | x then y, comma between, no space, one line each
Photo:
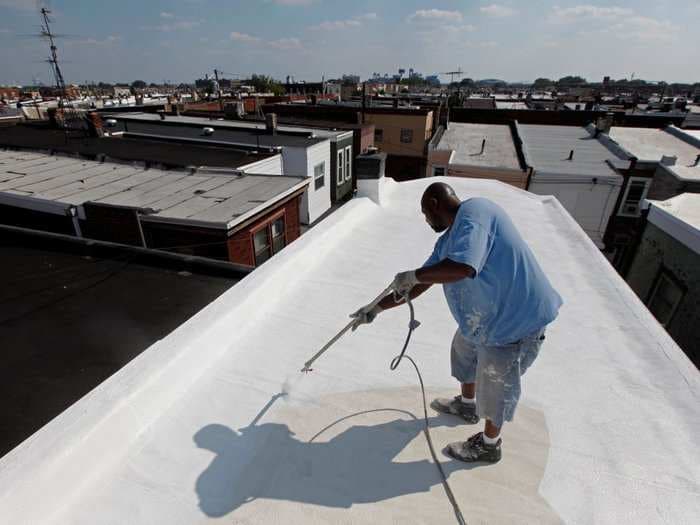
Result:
71,118
454,74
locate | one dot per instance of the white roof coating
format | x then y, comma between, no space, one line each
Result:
684,173
649,145
679,216
466,139
194,429
207,198
548,148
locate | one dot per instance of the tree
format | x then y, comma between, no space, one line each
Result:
572,81
466,82
138,84
265,84
541,83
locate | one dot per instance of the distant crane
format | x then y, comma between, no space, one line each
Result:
454,74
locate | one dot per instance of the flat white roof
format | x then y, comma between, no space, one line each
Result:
194,430
466,139
208,198
547,149
649,145
679,216
684,173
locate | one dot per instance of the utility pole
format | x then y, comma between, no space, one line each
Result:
364,100
218,89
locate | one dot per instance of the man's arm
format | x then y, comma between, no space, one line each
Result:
446,271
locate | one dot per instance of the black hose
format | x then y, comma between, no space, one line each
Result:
395,362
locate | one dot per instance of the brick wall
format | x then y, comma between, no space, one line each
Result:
240,242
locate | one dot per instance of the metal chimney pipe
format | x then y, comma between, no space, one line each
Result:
571,155
483,146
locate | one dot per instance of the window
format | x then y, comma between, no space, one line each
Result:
378,135
636,191
269,240
665,297
438,171
348,163
278,238
406,135
261,243
339,175
319,176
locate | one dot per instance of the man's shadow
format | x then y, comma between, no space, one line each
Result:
356,466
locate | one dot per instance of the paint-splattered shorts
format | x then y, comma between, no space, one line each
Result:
496,370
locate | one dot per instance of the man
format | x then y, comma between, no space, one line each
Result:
501,300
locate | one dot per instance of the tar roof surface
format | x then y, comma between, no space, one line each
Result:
548,149
225,132
649,144
465,140
196,429
203,198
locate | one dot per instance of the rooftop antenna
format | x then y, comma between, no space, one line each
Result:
69,116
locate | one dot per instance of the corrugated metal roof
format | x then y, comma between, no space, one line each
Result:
206,199
549,148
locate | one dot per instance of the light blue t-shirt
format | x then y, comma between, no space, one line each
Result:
509,297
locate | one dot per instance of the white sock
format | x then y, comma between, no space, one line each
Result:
471,401
491,441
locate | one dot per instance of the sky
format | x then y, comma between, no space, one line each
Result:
181,40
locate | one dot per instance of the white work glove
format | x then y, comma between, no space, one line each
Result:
365,315
404,282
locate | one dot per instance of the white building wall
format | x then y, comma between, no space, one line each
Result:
270,166
591,205
301,162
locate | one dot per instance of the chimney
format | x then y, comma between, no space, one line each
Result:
271,123
370,176
571,155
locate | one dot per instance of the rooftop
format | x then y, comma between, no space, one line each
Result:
649,145
466,139
547,149
76,317
209,198
197,427
230,132
679,216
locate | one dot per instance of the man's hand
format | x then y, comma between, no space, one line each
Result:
365,315
404,282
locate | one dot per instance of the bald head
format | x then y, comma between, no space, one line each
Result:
440,204
439,191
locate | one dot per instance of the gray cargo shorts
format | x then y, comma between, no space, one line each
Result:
496,370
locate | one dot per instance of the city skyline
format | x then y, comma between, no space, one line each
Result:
182,40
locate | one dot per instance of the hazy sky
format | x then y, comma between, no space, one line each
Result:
180,40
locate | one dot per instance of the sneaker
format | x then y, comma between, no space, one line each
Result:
474,449
456,407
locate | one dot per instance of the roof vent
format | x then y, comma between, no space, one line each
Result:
207,132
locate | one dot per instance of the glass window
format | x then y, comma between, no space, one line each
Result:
278,238
664,299
319,175
406,135
348,163
261,243
378,135
636,191
438,171
339,175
